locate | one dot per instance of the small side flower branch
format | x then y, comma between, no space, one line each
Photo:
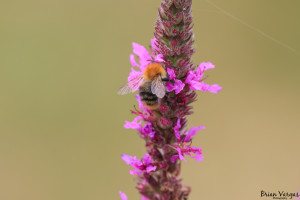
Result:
163,129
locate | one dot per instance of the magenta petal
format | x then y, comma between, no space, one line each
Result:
178,86
135,124
206,87
147,159
123,195
195,85
198,158
147,130
127,158
174,158
196,150
159,58
192,132
133,61
171,73
139,50
133,74
134,172
139,166
144,198
143,55
205,66
170,87
141,105
215,88
176,129
180,154
150,168
198,75
153,44
190,77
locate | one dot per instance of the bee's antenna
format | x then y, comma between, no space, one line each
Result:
153,61
172,66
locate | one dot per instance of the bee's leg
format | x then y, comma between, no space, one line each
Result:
168,80
172,66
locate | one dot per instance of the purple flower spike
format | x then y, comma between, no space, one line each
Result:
145,165
163,126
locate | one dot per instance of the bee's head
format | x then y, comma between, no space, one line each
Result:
165,77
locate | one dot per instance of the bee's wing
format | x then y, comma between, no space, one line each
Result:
158,87
131,86
125,90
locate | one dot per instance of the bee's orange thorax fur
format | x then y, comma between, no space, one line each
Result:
153,70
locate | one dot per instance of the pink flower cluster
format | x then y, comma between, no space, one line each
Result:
140,166
145,130
183,145
194,79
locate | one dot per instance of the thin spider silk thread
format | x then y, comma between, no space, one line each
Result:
252,27
257,30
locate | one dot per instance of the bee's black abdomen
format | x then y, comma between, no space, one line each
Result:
147,96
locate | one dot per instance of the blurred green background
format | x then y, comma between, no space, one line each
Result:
61,120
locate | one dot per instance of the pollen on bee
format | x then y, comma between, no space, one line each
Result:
152,70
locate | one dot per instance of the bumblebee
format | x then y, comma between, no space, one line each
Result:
150,85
